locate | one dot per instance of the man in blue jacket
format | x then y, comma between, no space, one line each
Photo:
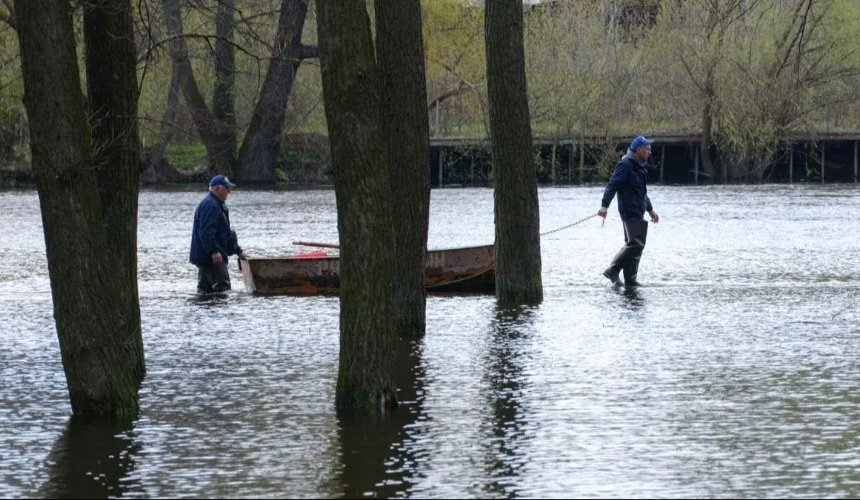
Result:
212,240
628,180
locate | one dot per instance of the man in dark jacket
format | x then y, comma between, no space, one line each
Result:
212,240
628,180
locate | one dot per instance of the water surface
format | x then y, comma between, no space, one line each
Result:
733,373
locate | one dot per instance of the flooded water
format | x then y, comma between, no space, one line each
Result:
733,373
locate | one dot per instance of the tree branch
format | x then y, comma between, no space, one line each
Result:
8,15
463,88
309,52
207,38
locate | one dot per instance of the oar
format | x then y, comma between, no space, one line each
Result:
316,244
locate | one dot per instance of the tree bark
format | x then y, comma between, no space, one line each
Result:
258,156
405,129
8,16
363,192
708,132
223,107
173,94
112,91
518,259
157,170
219,140
83,202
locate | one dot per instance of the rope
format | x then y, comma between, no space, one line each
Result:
484,270
480,272
580,221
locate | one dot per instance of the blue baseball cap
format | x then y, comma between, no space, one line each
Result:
221,180
638,142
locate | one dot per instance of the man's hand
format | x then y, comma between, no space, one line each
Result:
217,258
602,212
654,217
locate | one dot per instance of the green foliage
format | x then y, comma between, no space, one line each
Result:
280,176
11,84
186,156
589,73
455,65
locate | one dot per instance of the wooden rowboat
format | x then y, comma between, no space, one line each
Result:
452,270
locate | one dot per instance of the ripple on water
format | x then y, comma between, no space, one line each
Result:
731,374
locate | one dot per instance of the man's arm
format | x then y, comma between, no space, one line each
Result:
234,244
650,208
619,178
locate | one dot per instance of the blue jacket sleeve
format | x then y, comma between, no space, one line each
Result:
208,228
619,177
648,206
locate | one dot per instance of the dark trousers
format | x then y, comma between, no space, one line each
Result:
213,279
627,259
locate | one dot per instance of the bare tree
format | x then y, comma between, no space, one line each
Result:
783,85
258,155
217,135
262,145
705,56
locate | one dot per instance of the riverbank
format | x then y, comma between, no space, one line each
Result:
304,162
823,158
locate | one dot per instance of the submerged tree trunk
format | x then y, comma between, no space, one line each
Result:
93,277
366,441
405,129
368,337
112,91
518,259
262,145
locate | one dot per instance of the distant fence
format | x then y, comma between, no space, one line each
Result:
676,159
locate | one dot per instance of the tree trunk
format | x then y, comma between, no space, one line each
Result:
259,154
219,140
112,90
166,135
352,103
93,277
223,91
518,259
405,129
368,444
157,170
8,16
707,139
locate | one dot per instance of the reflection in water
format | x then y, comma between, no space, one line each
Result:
506,430
90,459
376,458
633,296
732,373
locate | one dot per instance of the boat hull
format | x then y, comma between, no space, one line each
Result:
454,270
